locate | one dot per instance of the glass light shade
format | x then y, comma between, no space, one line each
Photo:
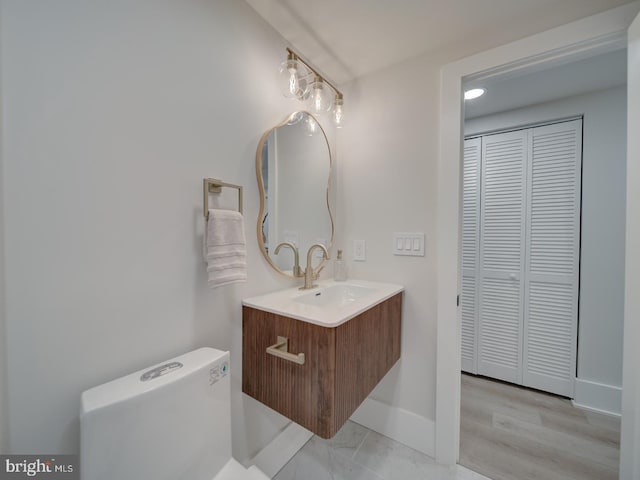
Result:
312,126
320,97
293,79
338,114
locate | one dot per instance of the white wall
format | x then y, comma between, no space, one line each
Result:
387,178
113,113
603,229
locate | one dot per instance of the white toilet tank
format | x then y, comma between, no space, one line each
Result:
168,422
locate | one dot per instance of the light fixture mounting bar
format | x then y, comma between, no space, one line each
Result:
315,72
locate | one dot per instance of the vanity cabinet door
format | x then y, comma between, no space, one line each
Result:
342,364
303,393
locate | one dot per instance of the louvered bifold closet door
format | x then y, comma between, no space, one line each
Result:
552,253
470,250
502,237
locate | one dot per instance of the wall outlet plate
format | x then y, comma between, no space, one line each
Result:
359,250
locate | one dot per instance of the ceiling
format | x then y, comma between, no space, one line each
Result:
606,70
345,39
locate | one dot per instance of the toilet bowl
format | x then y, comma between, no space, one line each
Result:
168,422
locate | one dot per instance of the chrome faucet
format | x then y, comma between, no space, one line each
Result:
297,271
309,273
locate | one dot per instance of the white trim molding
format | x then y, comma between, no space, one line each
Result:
598,397
281,449
398,424
578,39
630,431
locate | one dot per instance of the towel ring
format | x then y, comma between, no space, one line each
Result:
212,185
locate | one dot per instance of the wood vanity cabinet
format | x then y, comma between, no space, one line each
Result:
342,364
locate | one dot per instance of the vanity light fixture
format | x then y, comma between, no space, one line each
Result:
302,81
474,93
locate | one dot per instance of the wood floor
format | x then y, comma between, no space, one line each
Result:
513,433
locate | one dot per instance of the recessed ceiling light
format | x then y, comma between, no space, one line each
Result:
474,93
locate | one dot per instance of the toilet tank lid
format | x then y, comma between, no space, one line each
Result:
129,386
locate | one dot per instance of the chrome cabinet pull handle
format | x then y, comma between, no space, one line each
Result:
281,350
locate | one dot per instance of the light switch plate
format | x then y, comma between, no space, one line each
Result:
359,250
409,244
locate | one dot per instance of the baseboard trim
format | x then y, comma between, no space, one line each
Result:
398,424
281,449
598,397
463,473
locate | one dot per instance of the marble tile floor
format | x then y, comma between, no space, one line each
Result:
357,453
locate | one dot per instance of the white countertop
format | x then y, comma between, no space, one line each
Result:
286,302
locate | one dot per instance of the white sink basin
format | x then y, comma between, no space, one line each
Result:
339,295
330,304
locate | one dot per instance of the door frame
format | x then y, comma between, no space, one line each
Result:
583,38
630,432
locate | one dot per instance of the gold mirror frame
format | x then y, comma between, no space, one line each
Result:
261,187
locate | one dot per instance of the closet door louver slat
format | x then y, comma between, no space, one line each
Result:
552,258
502,235
470,246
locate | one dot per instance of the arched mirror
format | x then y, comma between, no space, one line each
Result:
293,165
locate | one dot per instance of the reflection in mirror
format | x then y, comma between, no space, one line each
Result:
293,164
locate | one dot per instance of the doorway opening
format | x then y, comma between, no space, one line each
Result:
604,32
524,179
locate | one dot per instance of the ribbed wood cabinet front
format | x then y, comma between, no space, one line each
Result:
342,364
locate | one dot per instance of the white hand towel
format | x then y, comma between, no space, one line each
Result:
225,248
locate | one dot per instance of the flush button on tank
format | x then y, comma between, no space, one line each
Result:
159,371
